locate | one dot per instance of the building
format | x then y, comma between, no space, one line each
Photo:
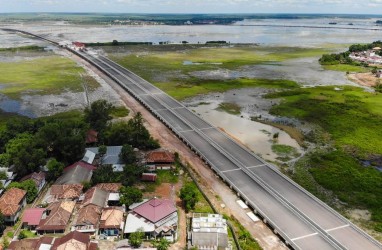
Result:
76,174
38,178
9,177
11,204
159,159
43,243
63,192
209,232
78,46
111,223
157,217
91,137
89,214
150,177
111,157
71,241
32,217
113,189
56,217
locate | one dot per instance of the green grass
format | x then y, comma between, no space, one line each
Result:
22,48
352,119
163,65
346,68
121,111
46,75
351,116
230,108
189,89
28,234
285,150
246,241
166,176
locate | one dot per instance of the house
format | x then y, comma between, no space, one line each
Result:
125,245
89,213
11,204
159,159
74,241
157,217
150,177
76,173
43,243
208,232
71,241
38,178
9,177
56,217
32,217
63,192
113,189
111,223
111,157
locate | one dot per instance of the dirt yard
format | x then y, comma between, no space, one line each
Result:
216,190
365,79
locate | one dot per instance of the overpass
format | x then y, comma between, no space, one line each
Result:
301,219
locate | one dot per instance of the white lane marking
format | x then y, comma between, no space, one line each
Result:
206,128
329,230
257,166
305,236
184,131
231,170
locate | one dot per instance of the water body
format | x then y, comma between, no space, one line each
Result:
298,36
254,135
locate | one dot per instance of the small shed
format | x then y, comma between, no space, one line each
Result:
149,177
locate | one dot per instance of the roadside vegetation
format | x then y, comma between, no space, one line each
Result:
349,145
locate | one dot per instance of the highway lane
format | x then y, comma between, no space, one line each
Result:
323,217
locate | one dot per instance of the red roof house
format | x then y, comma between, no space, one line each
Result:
160,159
11,204
149,177
32,217
74,240
155,209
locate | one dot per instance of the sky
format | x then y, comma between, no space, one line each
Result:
195,6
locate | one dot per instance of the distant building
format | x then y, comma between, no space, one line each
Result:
11,204
78,46
10,176
157,217
91,136
208,232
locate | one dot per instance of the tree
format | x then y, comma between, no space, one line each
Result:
29,186
102,150
127,154
162,244
189,196
114,43
136,238
25,154
104,174
131,173
55,169
98,114
2,224
3,175
130,195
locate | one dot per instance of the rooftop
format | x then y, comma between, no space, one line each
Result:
95,196
89,215
76,173
112,217
9,202
32,216
74,241
70,191
36,177
110,187
155,209
160,156
110,158
58,218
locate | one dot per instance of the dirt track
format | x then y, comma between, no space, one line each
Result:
216,190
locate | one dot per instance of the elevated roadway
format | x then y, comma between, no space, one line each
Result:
302,220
